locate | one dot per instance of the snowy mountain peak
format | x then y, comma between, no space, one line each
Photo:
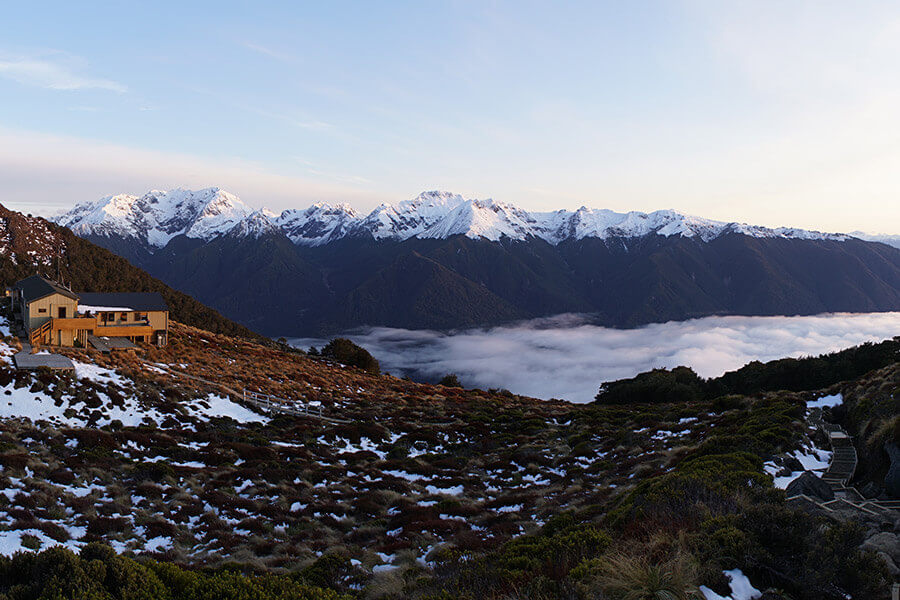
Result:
319,224
258,224
157,217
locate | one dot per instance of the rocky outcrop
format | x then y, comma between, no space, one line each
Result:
892,479
810,485
887,546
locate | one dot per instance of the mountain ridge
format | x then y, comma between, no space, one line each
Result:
156,217
469,263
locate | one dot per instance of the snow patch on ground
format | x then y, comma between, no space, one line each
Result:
97,374
455,490
826,401
814,460
220,406
741,588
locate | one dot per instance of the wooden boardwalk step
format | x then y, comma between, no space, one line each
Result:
844,461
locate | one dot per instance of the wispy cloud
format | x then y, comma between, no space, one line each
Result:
313,169
73,170
567,358
54,74
270,52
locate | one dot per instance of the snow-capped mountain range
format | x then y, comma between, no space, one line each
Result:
443,263
890,240
157,217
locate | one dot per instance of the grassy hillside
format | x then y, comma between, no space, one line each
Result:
407,490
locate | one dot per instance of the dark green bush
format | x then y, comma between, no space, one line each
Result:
98,573
346,352
682,384
450,380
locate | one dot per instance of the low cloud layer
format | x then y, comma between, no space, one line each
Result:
565,357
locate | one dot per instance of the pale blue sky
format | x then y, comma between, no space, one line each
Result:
773,113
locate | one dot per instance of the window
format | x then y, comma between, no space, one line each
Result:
62,312
42,311
140,316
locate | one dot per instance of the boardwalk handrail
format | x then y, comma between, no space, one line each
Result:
839,475
270,403
274,404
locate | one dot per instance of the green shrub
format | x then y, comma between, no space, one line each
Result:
346,352
98,573
450,380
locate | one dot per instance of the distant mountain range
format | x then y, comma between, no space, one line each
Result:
157,217
890,240
443,261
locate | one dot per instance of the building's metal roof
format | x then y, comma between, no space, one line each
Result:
123,300
37,287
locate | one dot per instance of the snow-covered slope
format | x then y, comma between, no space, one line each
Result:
157,217
318,224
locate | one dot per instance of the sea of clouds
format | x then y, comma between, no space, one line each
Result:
567,357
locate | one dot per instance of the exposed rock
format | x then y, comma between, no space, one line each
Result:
772,595
792,463
892,479
892,567
810,485
870,490
885,542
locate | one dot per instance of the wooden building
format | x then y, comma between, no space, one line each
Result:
54,315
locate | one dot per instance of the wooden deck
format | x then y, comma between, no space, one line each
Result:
107,345
125,330
27,361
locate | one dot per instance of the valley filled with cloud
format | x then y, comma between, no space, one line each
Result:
567,357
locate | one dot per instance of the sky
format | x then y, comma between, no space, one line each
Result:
772,113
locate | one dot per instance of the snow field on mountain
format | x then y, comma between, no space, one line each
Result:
156,217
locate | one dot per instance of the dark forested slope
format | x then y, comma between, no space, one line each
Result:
458,281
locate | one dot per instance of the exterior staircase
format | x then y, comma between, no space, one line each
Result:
38,334
844,461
